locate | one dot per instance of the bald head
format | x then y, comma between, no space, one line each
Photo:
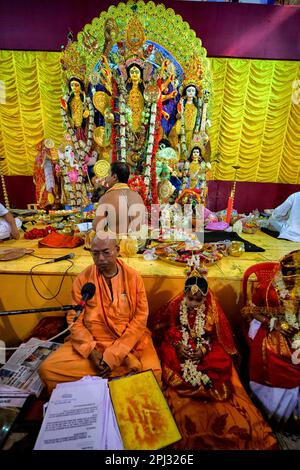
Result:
103,239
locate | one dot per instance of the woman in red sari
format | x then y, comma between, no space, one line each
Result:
274,343
207,399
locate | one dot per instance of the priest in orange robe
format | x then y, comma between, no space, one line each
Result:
110,337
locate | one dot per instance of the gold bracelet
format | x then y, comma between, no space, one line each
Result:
284,325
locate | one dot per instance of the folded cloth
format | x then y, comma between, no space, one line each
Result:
216,225
272,233
218,236
14,253
58,240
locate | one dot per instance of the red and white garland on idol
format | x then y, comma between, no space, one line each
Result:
82,148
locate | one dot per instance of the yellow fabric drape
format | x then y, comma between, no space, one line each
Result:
255,118
30,110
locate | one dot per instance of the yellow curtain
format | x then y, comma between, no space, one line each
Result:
255,120
255,116
30,107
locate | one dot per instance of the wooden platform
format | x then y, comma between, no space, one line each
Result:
162,280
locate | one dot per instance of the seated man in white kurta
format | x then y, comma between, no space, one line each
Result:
9,226
286,218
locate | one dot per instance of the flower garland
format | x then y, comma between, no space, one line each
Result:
189,368
196,128
154,195
122,107
115,111
38,232
183,139
150,115
290,305
149,150
152,146
136,183
81,150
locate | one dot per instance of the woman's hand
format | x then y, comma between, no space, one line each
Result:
196,354
284,328
183,352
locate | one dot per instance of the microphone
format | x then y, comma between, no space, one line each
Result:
61,258
87,292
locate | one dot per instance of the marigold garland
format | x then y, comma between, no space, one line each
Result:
136,183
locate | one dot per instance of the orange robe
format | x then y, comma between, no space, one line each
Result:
116,327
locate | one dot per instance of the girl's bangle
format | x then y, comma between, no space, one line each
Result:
272,323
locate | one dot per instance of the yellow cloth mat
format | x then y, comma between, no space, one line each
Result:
143,415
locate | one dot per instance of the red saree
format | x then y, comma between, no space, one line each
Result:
216,363
270,360
220,417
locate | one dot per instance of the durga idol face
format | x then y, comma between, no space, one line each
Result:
196,155
135,74
191,92
75,87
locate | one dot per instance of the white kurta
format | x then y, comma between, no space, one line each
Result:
5,228
286,218
3,210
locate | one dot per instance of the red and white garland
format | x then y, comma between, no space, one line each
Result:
82,148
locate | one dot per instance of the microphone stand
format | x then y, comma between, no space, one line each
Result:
63,308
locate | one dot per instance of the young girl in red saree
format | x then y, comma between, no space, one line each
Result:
207,399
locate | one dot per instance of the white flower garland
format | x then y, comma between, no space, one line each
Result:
122,109
189,368
149,151
290,307
292,317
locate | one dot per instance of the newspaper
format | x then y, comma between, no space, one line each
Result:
21,370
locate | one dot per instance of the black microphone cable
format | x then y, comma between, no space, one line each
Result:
60,285
87,292
51,260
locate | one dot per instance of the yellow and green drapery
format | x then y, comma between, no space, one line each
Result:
255,118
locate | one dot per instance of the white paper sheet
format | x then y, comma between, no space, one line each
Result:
80,417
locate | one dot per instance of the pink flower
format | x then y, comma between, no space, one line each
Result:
73,176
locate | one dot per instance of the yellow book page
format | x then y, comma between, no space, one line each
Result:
143,415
